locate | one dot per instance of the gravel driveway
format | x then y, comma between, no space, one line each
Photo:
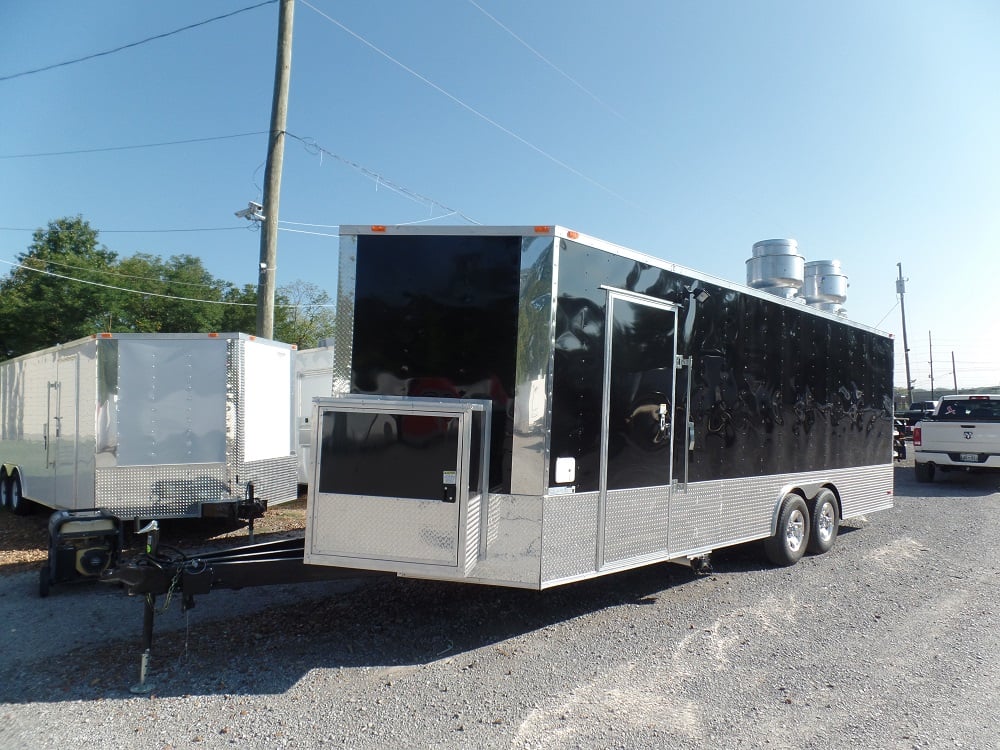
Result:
888,641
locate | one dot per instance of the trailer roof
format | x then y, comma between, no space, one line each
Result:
555,230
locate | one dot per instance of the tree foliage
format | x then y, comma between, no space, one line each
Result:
68,286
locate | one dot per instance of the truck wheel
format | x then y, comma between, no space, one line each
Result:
789,542
824,522
18,505
924,472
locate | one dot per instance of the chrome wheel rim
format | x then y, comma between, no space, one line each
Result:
795,531
825,522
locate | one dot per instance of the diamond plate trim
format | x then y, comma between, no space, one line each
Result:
569,535
168,491
635,523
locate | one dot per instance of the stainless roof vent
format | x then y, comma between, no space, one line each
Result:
825,286
776,267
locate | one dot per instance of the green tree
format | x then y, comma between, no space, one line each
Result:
303,314
40,305
67,286
173,289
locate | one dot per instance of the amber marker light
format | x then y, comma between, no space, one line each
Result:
572,234
378,227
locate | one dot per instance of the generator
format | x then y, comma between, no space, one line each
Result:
82,545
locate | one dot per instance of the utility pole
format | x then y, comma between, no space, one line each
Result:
930,350
954,373
272,172
901,290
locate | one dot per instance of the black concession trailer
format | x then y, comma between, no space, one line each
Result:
529,406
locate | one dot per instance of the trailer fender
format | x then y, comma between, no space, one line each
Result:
14,472
788,489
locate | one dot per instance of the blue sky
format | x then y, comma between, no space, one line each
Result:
868,131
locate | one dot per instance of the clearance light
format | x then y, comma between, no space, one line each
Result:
572,234
542,230
213,335
378,227
107,335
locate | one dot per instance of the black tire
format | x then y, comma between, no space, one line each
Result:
44,581
924,472
19,505
791,537
4,491
824,522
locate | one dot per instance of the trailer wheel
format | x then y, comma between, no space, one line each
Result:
4,491
791,537
824,522
18,504
924,472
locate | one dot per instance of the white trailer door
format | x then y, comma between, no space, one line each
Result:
64,398
639,409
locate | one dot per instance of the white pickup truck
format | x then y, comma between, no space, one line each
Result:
962,435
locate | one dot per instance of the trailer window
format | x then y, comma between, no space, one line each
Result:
388,455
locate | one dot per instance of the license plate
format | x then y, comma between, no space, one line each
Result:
972,458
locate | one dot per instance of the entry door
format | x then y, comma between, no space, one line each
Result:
639,413
64,431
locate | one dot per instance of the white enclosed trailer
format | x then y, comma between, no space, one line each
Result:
313,378
148,425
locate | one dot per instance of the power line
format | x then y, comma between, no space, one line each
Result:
155,294
115,273
124,231
122,289
133,44
548,62
137,146
470,108
312,147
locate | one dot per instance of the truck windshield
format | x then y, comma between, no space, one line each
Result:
975,410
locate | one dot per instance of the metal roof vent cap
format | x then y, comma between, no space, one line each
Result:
825,286
776,267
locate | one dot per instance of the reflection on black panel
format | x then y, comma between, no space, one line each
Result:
774,388
640,400
389,455
436,317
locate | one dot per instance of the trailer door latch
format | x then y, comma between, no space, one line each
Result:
682,361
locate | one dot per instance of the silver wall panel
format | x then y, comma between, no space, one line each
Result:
569,535
635,523
714,514
343,332
171,401
174,491
513,542
536,316
414,531
274,479
866,490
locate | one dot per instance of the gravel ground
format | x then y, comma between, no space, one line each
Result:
888,641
